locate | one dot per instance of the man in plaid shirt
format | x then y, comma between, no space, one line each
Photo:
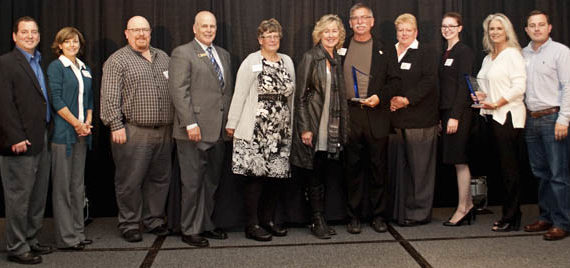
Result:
136,106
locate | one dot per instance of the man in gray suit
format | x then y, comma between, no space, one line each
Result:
201,88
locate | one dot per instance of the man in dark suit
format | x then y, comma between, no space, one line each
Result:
25,161
371,78
201,86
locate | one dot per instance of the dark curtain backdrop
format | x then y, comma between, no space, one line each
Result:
103,21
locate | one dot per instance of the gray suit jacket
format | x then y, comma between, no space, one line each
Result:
196,93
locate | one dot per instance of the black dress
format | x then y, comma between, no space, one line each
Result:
455,102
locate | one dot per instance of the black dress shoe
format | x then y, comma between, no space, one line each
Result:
274,229
332,231
77,247
353,226
195,240
379,225
257,233
86,242
215,234
411,223
39,249
507,225
132,236
25,258
160,230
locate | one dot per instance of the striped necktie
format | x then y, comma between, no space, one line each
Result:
216,67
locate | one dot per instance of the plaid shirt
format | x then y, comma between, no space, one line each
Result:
134,90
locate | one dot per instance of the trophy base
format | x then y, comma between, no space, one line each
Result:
477,106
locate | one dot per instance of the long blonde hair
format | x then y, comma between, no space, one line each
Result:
512,40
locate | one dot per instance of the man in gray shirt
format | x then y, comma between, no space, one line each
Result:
369,61
548,102
136,106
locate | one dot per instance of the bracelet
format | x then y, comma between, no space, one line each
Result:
495,106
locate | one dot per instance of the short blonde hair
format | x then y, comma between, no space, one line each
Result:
320,28
406,18
67,33
512,40
270,26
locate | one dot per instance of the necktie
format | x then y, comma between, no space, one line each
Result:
216,66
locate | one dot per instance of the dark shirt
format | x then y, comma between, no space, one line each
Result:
454,93
418,69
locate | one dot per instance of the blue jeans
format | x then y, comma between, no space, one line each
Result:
549,162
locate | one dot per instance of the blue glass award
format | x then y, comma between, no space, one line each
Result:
355,72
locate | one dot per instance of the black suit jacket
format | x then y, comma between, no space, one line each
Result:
419,85
22,105
384,82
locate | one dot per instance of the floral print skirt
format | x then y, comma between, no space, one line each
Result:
267,153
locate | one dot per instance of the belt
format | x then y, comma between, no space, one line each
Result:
273,97
544,112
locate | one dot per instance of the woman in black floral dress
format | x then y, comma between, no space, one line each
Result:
260,122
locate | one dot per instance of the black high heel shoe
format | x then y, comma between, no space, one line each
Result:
503,225
470,216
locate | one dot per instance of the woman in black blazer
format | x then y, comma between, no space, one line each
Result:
415,118
455,113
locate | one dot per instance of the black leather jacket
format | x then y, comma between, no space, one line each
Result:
309,101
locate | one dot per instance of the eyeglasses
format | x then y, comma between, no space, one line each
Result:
447,27
360,17
271,37
140,30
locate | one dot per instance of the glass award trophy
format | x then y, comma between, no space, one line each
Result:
355,73
474,84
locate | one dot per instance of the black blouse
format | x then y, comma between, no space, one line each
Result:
454,93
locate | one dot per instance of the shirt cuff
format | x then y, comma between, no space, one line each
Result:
116,125
189,127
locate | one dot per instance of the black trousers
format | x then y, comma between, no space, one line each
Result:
260,199
508,142
316,180
365,154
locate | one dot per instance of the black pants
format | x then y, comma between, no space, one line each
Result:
365,154
260,199
508,141
316,180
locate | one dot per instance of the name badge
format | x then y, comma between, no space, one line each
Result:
405,66
86,73
201,55
256,68
165,73
448,62
341,51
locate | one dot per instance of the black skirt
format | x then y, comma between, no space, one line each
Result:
454,146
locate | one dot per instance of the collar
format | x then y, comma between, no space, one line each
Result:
529,46
150,49
414,45
67,62
29,57
204,47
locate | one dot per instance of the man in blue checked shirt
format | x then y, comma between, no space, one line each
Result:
548,103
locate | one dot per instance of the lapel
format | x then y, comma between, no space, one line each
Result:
203,56
25,65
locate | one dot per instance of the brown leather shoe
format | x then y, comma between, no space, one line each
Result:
538,226
555,233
